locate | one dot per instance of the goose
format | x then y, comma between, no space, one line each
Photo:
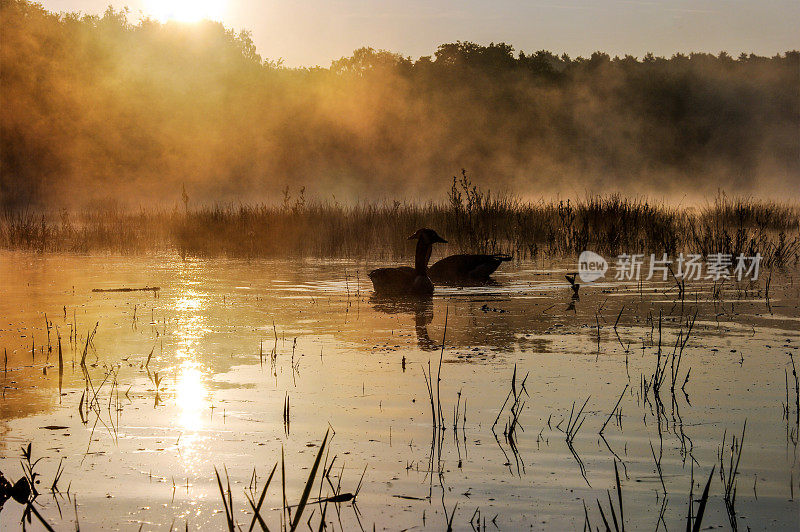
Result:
459,268
405,280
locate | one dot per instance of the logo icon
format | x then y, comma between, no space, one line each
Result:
591,266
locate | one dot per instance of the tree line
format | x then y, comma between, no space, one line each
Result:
98,108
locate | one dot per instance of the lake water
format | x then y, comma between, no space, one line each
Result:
197,376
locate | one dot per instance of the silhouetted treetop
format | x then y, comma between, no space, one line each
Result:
96,105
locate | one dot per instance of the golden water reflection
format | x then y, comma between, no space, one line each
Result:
191,396
208,333
191,390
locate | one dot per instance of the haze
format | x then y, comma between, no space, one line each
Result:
138,109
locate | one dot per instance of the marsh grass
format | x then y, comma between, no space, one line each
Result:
729,477
290,520
471,219
693,522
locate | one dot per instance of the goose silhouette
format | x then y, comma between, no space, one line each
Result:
465,268
405,280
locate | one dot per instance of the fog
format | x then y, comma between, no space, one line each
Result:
99,109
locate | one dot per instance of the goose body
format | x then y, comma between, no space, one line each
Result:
405,280
466,267
400,280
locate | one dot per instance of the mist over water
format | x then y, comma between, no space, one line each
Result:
193,238
97,109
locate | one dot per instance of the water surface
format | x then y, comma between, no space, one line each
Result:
197,375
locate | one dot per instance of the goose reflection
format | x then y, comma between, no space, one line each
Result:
466,282
420,307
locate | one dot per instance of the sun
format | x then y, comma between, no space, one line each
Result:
186,11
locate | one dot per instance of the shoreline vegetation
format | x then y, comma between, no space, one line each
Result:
472,220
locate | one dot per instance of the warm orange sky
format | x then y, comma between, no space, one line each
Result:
315,32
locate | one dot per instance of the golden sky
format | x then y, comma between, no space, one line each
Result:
314,32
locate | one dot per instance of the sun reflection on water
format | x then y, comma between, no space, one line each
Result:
191,390
189,301
191,396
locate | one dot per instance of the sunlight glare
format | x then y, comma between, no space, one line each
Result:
188,302
186,11
191,396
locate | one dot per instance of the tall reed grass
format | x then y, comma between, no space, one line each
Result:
472,220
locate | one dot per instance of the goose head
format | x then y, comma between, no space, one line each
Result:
427,236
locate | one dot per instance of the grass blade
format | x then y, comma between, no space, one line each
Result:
257,508
703,500
619,494
309,483
228,512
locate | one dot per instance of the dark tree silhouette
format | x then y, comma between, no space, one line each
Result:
95,107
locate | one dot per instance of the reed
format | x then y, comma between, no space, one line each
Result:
698,519
290,514
470,218
611,522
729,476
227,500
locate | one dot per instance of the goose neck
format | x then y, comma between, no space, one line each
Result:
422,257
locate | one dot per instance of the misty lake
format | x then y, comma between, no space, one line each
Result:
232,363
